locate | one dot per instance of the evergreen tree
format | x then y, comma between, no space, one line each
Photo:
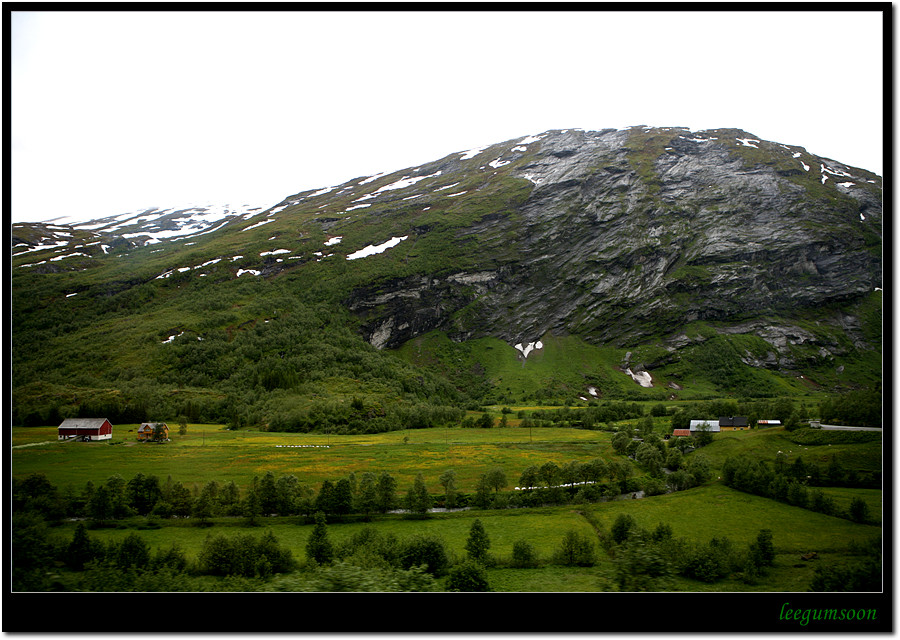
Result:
478,543
318,547
343,497
99,506
251,507
325,500
268,494
386,493
367,500
80,549
762,551
451,494
418,500
482,498
287,489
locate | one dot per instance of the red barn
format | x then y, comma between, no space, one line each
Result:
85,429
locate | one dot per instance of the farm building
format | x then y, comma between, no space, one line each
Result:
85,429
681,432
734,423
147,429
768,423
712,426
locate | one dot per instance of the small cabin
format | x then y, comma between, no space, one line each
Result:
85,429
147,429
681,432
734,423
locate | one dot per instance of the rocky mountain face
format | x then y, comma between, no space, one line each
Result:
626,235
619,237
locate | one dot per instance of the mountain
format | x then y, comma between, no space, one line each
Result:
138,228
639,263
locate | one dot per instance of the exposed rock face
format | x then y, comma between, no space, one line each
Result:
634,233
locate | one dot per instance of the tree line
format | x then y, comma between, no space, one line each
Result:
361,495
799,482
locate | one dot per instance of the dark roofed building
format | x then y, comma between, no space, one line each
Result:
734,423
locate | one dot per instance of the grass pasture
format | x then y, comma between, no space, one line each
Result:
697,515
211,452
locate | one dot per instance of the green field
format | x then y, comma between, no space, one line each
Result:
211,452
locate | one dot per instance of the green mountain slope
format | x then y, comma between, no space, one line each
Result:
700,262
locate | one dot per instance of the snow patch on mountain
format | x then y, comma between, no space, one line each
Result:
471,153
406,181
643,378
528,348
377,248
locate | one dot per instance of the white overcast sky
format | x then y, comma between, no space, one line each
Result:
115,111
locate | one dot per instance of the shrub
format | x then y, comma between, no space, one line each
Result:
622,526
133,553
468,576
424,550
861,576
641,566
344,577
576,550
710,562
859,510
524,555
243,555
762,551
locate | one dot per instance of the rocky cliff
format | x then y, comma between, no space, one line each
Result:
625,235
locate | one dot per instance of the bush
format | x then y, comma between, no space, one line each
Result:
622,526
861,576
344,577
244,555
468,576
133,553
641,566
424,550
762,551
524,555
859,510
575,550
710,562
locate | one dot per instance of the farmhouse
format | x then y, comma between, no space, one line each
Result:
710,425
85,429
681,432
734,423
147,429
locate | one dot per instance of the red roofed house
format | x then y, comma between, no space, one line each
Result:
85,429
681,432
